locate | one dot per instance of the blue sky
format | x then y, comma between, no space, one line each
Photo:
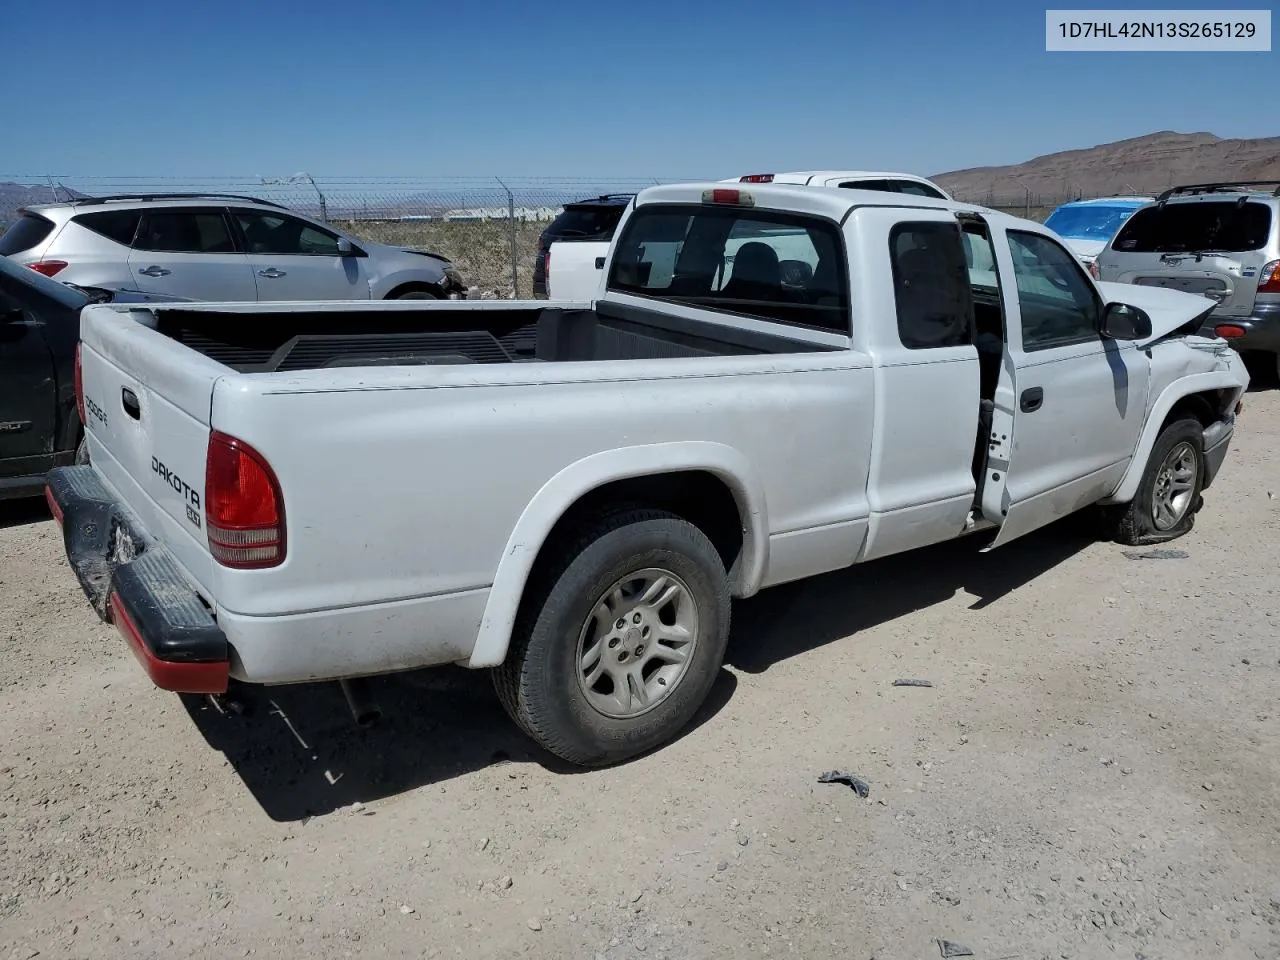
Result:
573,88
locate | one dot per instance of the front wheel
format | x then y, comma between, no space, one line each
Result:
1165,504
416,295
620,645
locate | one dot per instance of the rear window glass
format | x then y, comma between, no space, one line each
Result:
117,225
775,266
29,231
914,189
909,187
1179,227
587,223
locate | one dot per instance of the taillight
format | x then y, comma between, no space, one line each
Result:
1230,331
48,267
1269,278
757,178
79,377
243,506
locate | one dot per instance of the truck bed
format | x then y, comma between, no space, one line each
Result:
262,340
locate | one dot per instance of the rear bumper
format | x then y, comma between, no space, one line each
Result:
135,583
1262,328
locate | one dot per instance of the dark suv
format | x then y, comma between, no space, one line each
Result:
594,219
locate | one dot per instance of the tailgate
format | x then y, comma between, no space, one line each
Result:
147,400
1226,279
575,268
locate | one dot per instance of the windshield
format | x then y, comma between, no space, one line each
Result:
1227,225
1088,223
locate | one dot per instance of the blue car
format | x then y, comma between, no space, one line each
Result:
1087,226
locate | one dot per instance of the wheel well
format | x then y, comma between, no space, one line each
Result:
1205,408
698,496
414,286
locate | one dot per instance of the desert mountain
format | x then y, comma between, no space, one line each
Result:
1143,165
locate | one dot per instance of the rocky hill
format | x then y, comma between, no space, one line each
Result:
1142,165
15,195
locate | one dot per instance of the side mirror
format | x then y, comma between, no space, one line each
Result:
1123,322
345,248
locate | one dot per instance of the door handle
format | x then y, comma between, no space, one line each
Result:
271,273
154,271
129,400
1031,400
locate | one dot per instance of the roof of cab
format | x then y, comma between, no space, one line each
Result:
833,202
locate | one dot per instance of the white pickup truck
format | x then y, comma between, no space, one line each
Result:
572,493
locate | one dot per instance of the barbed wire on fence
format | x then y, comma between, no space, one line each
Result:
358,198
392,198
412,210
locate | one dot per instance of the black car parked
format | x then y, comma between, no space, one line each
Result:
40,427
593,219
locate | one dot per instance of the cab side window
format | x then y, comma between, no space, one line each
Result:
931,285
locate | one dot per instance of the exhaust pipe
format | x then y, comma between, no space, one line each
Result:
360,701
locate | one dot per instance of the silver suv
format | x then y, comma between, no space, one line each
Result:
218,247
1220,240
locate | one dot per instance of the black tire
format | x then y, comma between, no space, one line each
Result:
416,295
82,453
1135,523
538,683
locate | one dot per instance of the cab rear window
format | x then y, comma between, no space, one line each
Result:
783,267
1227,226
28,231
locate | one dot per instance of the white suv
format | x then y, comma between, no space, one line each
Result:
908,183
218,247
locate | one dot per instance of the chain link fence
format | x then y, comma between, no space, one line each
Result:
489,226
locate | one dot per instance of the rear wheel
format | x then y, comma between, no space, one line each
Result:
620,644
1168,497
416,295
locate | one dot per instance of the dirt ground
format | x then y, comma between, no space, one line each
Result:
1095,772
